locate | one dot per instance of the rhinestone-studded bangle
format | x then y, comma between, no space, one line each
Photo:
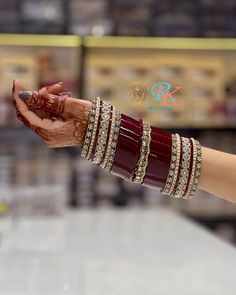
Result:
197,170
102,133
88,134
91,128
141,166
184,171
102,140
110,138
95,127
194,154
177,164
174,164
115,136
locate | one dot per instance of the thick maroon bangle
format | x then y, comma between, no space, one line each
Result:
128,147
159,158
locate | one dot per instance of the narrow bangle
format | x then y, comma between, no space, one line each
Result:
109,137
197,170
102,133
194,155
140,169
88,134
177,164
87,145
184,171
174,164
114,137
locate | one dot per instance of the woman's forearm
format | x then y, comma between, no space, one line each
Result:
218,174
130,148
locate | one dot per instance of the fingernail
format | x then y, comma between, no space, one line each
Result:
60,83
25,94
13,86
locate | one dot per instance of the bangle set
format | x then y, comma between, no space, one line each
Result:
133,150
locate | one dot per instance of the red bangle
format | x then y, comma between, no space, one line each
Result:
128,147
159,158
147,155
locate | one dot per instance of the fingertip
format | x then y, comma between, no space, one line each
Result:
13,86
55,88
17,86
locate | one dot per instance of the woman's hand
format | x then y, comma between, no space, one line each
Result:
58,119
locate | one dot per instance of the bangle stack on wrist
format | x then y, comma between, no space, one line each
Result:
135,151
185,168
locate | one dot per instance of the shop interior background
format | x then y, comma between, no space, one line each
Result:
103,48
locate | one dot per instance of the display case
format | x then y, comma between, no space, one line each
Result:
169,82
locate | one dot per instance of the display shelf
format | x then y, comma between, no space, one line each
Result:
118,42
40,40
160,43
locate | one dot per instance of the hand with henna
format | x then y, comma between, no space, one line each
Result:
62,121
56,117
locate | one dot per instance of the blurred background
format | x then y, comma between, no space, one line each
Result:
103,47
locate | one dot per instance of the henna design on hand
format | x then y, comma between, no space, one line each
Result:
67,132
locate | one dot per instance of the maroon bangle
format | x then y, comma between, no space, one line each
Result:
159,158
128,147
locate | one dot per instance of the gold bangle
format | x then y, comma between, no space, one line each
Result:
197,170
95,126
184,171
111,133
174,165
178,139
115,136
187,195
102,132
140,169
91,126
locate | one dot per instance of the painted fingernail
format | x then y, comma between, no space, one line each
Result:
25,94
